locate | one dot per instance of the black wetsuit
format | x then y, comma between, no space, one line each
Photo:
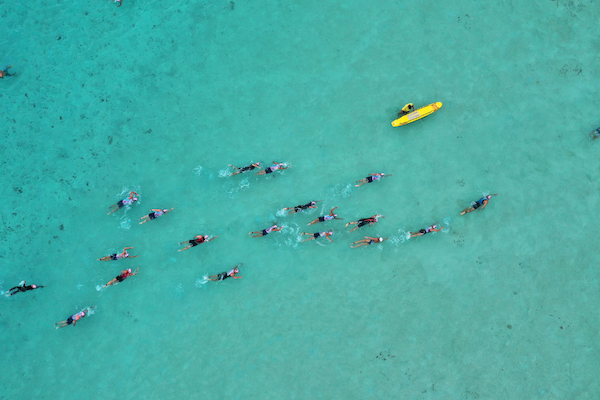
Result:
304,207
18,289
196,242
222,276
363,222
248,168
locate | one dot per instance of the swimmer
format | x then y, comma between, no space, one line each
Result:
365,221
367,241
124,202
272,168
21,288
224,275
4,72
429,229
324,218
407,109
595,134
244,169
318,235
371,178
124,275
73,318
155,213
482,202
265,232
197,240
312,204
124,254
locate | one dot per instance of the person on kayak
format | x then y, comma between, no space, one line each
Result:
407,109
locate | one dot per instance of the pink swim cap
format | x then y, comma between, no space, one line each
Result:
33,286
135,199
488,197
129,270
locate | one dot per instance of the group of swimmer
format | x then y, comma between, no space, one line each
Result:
199,239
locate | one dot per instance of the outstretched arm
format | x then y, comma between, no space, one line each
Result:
213,238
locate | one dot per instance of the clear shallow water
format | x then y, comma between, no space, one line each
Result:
160,98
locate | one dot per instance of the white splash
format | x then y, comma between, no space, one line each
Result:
224,173
198,170
201,281
125,222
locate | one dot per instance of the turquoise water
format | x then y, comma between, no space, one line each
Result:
160,97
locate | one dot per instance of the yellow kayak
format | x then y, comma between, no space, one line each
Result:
418,114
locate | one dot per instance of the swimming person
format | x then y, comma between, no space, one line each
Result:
318,235
365,221
429,229
224,275
4,72
324,218
124,202
312,204
482,202
21,288
265,232
197,240
244,169
407,109
371,178
73,318
120,278
367,241
272,168
595,134
112,257
154,213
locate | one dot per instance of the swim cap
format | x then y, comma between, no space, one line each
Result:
382,174
205,236
312,203
330,232
129,270
81,313
33,286
135,199
381,239
434,226
488,197
165,210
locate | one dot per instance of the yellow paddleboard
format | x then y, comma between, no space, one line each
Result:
416,115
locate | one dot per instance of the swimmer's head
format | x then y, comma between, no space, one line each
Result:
434,226
81,314
235,270
129,270
382,174
205,236
312,203
165,210
488,197
33,286
135,199
381,239
330,232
